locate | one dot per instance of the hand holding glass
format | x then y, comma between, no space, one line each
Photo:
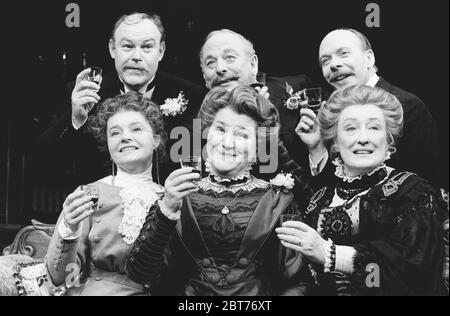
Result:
93,192
95,75
194,162
290,217
313,98
260,80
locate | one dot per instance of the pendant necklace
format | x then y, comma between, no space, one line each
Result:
226,210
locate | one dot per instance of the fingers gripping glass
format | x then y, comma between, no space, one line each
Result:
194,162
312,98
95,75
91,190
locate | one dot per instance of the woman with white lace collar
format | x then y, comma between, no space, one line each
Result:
378,231
93,237
217,236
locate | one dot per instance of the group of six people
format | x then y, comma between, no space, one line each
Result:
345,174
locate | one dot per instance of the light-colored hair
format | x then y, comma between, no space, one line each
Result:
137,17
250,48
360,95
243,100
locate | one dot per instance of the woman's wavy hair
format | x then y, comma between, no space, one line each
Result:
130,101
361,95
243,100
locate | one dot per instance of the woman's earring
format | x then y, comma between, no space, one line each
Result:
391,150
157,166
112,169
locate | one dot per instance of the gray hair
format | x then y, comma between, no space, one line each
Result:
249,44
360,95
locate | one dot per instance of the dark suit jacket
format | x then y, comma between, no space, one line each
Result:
62,145
293,154
289,118
418,148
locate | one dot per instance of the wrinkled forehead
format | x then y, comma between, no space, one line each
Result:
143,29
337,40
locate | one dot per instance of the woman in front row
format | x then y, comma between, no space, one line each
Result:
378,231
96,238
216,236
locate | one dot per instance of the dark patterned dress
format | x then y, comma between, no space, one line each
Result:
393,221
224,244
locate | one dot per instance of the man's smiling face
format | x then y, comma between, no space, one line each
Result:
344,61
227,61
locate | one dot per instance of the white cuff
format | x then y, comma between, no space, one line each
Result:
170,215
67,234
344,259
318,167
75,125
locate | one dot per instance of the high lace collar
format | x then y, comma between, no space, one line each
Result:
124,179
349,187
251,183
243,177
340,173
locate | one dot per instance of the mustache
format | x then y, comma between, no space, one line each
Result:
219,80
340,73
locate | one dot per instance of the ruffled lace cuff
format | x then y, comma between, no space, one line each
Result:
67,234
344,259
330,257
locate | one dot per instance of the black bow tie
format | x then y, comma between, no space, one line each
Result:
150,86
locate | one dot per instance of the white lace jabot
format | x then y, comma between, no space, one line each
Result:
139,193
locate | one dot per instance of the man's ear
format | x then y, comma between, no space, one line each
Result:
370,58
254,64
111,48
162,50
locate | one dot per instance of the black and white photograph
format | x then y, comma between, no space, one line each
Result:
228,149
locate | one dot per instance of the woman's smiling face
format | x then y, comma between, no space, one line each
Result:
232,143
131,141
361,138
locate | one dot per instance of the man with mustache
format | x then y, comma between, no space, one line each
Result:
228,59
347,59
137,46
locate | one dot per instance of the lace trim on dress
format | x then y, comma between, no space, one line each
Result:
251,184
136,202
217,178
341,174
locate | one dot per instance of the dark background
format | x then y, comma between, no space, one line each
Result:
411,49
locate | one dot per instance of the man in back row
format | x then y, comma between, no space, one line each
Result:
137,46
347,59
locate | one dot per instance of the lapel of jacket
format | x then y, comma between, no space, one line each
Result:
162,89
383,84
262,222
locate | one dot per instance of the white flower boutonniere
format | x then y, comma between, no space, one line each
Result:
136,203
294,99
283,182
174,106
